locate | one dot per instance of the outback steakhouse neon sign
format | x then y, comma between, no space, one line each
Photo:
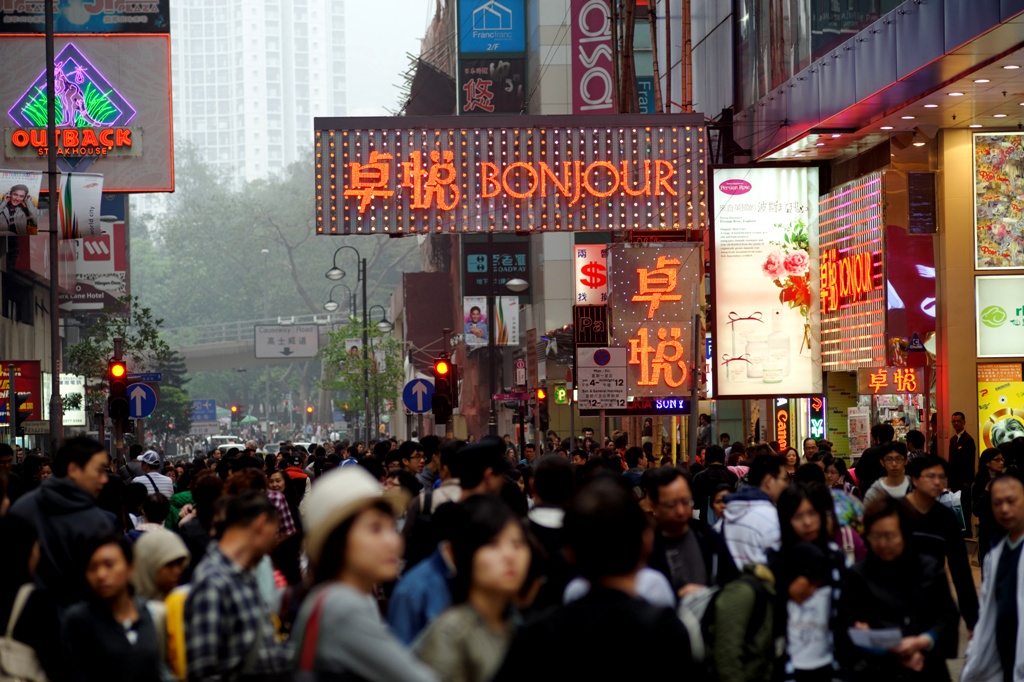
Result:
92,116
516,174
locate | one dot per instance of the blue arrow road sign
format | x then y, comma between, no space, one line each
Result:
418,396
204,410
141,401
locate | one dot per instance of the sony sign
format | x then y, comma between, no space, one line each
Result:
593,86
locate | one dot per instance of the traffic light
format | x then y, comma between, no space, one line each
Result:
117,398
237,412
309,409
15,400
542,409
442,404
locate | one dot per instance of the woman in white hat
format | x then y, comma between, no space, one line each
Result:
352,545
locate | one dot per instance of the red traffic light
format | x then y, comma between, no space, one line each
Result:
118,370
442,368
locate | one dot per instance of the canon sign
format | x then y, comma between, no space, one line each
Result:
592,67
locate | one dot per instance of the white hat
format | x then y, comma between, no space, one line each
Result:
150,457
336,497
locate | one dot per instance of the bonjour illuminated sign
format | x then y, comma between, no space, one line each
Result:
517,174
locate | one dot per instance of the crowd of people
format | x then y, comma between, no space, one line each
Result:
464,561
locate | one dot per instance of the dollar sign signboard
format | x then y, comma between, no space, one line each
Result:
591,262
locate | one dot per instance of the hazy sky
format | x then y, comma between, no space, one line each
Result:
378,36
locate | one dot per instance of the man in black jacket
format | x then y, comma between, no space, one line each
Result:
707,480
623,636
937,530
962,454
691,556
63,509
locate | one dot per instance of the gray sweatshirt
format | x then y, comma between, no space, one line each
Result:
354,639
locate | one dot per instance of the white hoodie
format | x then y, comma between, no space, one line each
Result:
751,526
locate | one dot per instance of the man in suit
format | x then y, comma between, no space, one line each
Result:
962,454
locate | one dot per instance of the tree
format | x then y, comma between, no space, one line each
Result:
173,413
345,370
138,328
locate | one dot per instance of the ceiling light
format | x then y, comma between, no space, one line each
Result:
835,135
930,106
1011,67
998,115
956,94
907,118
820,144
982,80
890,127
919,143
974,125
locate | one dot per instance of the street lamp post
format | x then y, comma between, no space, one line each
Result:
384,326
266,388
335,274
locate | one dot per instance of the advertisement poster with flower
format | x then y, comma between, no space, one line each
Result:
766,292
999,200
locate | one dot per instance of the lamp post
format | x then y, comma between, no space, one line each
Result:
335,274
331,305
516,286
384,326
266,388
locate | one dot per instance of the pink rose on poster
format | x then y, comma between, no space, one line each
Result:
797,262
774,265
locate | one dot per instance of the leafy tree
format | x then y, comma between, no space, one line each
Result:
344,370
173,413
142,345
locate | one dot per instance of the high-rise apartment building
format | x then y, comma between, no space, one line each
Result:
250,75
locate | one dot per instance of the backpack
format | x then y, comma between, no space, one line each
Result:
697,612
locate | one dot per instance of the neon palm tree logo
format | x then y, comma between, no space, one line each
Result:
84,97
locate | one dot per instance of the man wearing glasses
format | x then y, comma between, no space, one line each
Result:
895,484
937,530
411,454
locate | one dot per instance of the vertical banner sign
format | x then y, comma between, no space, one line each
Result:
591,325
766,301
19,202
652,304
591,273
475,325
998,220
592,67
816,428
78,214
28,377
101,262
783,433
70,385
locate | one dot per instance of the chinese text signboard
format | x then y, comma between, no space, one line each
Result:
653,295
76,16
293,341
1000,310
603,382
488,266
489,26
510,174
591,280
890,380
850,237
1000,372
113,103
492,86
27,379
766,301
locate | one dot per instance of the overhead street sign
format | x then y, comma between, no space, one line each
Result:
286,341
141,401
146,376
603,378
418,396
204,411
36,428
205,428
501,397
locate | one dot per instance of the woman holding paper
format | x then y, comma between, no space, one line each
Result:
900,619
